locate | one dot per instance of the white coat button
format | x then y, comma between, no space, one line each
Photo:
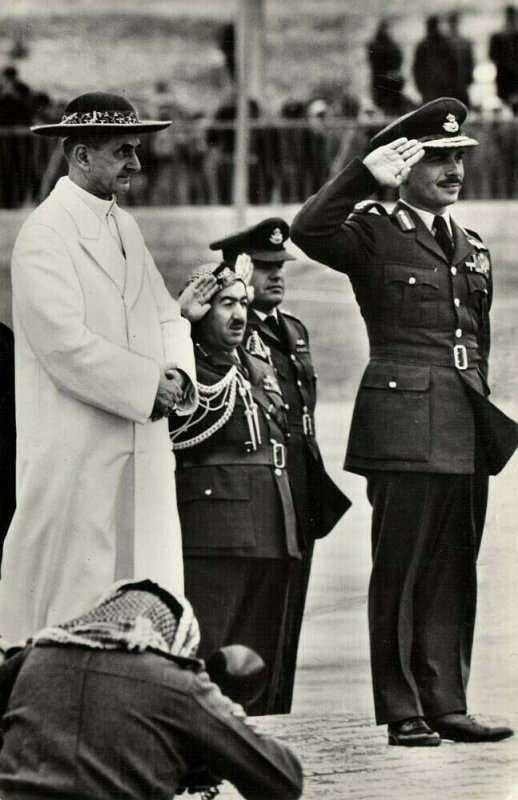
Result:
457,302
278,471
458,333
208,492
411,280
453,270
392,384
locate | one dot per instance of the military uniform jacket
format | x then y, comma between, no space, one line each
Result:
423,396
318,501
235,500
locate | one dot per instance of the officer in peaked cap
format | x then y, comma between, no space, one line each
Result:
263,242
283,339
423,431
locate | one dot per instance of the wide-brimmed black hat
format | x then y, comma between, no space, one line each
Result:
437,124
100,112
264,241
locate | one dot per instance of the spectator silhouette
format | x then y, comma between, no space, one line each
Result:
385,58
464,62
434,63
221,139
15,154
227,43
503,52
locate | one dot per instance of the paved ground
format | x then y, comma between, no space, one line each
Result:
345,757
332,726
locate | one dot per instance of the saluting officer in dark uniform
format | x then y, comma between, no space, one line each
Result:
283,339
423,431
234,499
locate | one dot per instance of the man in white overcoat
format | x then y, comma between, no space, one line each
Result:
102,356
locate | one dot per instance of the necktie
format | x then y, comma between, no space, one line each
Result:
272,323
442,237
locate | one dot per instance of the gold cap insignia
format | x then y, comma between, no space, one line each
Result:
451,125
276,236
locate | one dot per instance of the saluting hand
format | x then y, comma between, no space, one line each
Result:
194,300
391,163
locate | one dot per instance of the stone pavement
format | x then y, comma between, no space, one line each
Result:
346,757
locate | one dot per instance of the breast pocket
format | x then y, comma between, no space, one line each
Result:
412,293
391,419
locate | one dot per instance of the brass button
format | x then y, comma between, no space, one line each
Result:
392,384
299,383
453,270
278,471
208,492
458,333
456,302
292,357
411,280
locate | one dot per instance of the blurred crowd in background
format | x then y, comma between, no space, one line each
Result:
308,140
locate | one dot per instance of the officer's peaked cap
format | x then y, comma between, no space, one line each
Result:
436,124
264,241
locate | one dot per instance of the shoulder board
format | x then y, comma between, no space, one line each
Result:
291,316
475,239
370,207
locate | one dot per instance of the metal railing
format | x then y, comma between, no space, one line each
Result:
191,163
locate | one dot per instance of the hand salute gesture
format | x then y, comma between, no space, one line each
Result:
391,163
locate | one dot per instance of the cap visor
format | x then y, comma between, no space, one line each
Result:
451,141
59,129
271,255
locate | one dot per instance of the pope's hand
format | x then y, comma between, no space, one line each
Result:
391,163
170,392
194,300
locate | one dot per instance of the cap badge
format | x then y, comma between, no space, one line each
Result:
276,236
451,125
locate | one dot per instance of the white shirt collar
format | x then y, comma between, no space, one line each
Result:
262,316
428,217
100,207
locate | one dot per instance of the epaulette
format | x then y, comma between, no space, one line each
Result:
475,239
256,347
289,314
370,207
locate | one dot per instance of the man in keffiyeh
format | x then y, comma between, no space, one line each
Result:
114,704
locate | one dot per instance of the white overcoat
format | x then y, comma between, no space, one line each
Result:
96,495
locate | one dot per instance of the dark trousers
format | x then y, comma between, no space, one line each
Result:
240,601
426,533
286,662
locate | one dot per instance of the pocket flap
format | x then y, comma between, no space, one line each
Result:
396,377
408,273
212,483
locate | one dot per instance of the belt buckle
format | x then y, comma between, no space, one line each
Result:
307,424
279,454
460,356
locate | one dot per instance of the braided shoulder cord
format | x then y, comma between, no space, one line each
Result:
225,391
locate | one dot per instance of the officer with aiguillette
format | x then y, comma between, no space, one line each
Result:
423,431
283,340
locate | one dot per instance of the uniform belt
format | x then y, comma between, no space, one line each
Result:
457,356
272,455
301,424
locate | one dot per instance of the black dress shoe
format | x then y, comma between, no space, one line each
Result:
463,728
412,732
